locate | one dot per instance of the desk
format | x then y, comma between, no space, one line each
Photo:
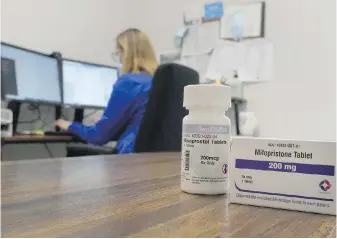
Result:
136,196
35,139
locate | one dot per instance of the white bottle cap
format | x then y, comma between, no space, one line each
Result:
218,96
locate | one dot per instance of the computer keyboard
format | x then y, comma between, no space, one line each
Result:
54,133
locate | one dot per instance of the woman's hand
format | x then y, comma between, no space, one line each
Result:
63,124
96,118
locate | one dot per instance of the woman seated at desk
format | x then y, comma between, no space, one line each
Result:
127,102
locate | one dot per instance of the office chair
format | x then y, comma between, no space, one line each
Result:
161,127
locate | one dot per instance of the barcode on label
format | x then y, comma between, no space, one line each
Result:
187,160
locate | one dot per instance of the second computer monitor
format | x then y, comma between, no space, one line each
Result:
87,85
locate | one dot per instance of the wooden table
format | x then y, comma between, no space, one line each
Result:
31,139
132,196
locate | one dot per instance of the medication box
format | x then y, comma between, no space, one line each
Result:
287,174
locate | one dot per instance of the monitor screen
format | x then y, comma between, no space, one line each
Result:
29,76
87,85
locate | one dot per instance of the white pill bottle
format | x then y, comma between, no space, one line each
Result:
206,140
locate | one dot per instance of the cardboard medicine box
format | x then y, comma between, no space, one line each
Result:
286,174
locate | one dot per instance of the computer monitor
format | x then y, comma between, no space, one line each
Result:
87,85
30,76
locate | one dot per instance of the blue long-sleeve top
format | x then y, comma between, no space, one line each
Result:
122,116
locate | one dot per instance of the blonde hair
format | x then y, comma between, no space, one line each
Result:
139,55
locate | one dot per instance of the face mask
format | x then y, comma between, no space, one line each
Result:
118,63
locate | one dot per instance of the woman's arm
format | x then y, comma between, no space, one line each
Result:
115,116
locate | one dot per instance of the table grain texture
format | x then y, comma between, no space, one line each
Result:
36,139
132,196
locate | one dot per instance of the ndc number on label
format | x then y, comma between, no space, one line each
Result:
282,166
204,136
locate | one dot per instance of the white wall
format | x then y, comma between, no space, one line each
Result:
80,29
300,102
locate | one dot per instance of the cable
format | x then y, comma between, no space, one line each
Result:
30,107
39,118
63,116
29,121
84,116
90,114
44,120
48,150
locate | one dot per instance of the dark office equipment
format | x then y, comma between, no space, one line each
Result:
78,115
29,76
236,102
58,108
58,115
8,78
59,133
80,149
14,106
79,112
161,127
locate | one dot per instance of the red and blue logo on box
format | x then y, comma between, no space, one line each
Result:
325,185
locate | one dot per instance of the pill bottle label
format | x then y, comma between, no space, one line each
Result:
205,154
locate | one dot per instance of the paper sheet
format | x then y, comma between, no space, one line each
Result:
250,15
225,60
251,61
201,38
258,63
190,42
179,36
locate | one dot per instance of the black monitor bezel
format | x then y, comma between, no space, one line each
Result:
44,102
81,106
